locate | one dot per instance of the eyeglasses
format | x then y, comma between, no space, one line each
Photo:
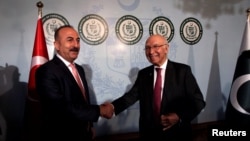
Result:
155,47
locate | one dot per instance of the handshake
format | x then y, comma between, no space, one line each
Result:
107,110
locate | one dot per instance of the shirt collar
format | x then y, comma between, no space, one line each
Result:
164,65
67,63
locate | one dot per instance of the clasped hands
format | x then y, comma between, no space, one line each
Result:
167,120
107,110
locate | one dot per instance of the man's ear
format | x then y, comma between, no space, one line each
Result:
56,45
167,48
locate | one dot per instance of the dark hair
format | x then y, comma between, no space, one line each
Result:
58,30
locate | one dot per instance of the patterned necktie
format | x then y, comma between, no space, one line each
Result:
78,79
157,95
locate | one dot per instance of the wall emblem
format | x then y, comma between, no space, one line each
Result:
191,31
162,26
93,29
50,23
129,30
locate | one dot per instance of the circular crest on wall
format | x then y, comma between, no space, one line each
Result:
162,26
93,29
51,22
129,30
191,31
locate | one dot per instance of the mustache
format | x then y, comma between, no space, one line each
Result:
75,49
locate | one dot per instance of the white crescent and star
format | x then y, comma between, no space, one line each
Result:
38,60
235,87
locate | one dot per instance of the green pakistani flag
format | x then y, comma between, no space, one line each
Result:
238,106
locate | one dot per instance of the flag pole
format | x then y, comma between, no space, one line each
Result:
33,108
40,6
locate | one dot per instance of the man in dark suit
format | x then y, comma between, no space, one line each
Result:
66,110
181,99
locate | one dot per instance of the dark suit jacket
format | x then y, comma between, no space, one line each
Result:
66,115
181,95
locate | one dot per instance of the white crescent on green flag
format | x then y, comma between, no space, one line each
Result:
238,107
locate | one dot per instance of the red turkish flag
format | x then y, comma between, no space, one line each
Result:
39,57
33,109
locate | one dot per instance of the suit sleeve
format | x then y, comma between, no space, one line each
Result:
59,98
194,102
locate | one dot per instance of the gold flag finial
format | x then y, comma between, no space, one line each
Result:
40,6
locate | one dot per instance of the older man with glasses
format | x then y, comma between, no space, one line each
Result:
169,95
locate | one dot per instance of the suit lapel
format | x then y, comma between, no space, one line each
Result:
64,68
168,87
81,73
69,75
149,83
